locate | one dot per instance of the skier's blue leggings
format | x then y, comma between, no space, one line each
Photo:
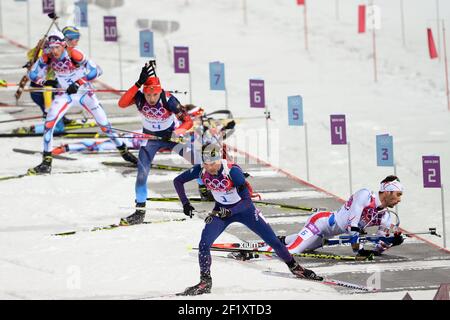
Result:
250,218
145,159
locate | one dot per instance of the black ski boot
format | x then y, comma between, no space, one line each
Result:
205,194
126,154
136,218
43,168
204,286
243,256
300,272
68,122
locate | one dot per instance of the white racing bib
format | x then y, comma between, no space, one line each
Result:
221,186
66,79
156,118
226,197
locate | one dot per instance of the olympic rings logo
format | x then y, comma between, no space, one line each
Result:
218,185
63,66
154,112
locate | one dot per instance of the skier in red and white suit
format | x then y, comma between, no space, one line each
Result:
364,209
74,72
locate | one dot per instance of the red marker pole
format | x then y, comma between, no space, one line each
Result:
431,46
361,18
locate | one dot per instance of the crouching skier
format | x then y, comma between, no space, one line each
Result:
233,203
364,209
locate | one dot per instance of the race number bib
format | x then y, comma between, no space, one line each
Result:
65,80
226,197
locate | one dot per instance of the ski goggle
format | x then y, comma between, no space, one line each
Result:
209,157
53,41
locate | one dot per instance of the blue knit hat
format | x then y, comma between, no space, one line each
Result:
71,33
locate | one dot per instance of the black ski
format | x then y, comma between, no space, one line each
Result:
326,281
312,255
153,166
256,202
115,226
76,135
162,296
17,176
56,156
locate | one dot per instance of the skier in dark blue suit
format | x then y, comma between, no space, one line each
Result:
233,203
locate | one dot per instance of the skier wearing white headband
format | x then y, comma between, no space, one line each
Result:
364,209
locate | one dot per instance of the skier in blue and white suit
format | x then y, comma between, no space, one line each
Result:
233,203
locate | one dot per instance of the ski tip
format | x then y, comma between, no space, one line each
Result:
69,233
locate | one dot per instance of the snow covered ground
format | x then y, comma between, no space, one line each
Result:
334,76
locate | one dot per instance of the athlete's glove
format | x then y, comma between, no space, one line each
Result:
223,213
73,88
187,209
27,65
146,72
398,239
229,125
50,83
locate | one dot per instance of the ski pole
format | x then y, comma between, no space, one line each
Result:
21,119
145,136
61,90
4,84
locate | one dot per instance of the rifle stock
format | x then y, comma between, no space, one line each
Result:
35,57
